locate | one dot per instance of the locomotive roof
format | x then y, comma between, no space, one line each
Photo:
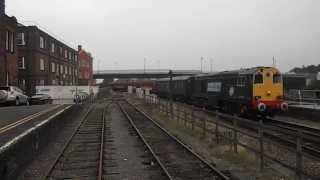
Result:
175,78
240,71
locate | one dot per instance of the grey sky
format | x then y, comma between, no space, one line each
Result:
235,33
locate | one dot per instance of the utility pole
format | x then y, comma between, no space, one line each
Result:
201,62
144,65
98,64
274,61
211,62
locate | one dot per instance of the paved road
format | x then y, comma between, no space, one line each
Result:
12,114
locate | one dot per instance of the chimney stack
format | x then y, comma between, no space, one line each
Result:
2,7
79,47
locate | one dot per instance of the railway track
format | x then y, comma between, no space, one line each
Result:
290,131
176,160
82,156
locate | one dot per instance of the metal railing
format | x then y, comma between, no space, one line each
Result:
223,128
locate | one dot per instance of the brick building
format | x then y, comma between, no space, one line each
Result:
44,60
8,48
85,67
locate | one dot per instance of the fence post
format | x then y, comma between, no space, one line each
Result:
204,124
192,118
299,155
217,128
235,135
261,144
178,114
185,115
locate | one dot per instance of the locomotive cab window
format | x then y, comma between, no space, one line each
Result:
258,79
277,78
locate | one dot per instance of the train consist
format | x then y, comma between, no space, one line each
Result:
257,90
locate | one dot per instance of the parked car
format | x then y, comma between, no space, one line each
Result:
41,99
13,95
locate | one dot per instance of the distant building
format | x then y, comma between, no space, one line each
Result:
85,67
44,60
8,48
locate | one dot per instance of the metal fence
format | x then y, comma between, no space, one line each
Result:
226,128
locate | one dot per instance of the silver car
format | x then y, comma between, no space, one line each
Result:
13,95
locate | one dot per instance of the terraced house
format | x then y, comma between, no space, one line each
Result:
8,48
44,60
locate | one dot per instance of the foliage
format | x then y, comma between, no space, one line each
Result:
306,69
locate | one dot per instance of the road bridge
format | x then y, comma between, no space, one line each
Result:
141,74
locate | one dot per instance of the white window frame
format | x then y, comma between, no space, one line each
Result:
21,38
22,63
53,67
53,47
41,64
7,40
12,42
66,54
61,69
66,70
42,42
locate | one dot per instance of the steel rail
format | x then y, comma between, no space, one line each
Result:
179,142
155,156
51,168
100,171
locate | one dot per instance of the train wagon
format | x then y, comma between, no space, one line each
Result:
254,90
257,90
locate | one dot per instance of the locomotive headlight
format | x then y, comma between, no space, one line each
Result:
268,93
257,97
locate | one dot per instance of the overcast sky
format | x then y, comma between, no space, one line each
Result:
176,33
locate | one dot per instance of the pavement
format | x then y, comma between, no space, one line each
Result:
11,114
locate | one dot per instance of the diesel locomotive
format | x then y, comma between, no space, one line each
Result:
257,90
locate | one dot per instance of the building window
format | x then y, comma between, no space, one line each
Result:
70,55
53,82
61,51
61,69
41,82
21,39
76,58
41,42
21,63
7,40
53,67
12,42
66,70
52,47
41,64
70,71
66,54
